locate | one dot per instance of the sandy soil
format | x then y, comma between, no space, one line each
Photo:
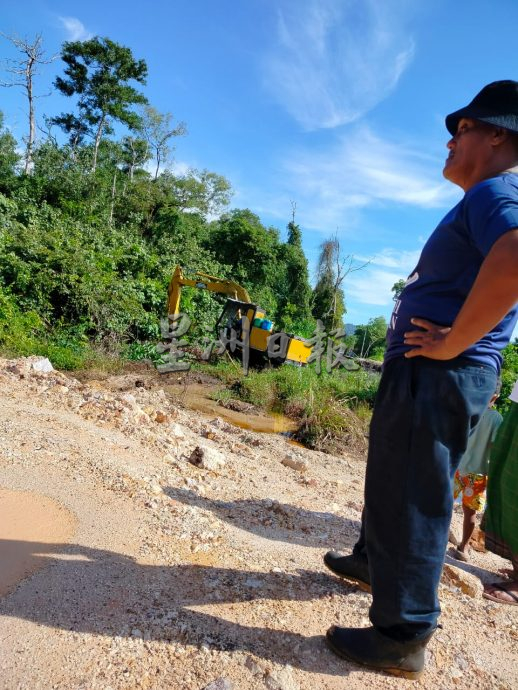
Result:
130,567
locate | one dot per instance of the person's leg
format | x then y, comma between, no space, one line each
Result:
354,566
419,434
473,502
422,418
468,527
360,548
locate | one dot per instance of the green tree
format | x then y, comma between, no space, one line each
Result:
294,310
328,296
9,158
99,72
397,288
241,241
509,374
157,130
135,153
199,190
370,338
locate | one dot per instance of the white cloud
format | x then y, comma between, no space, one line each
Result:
373,284
334,61
361,170
371,287
178,168
404,261
76,30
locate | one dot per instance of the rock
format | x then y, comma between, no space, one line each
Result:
140,417
295,463
253,666
130,399
237,406
219,423
241,449
161,417
452,538
219,684
208,432
281,679
42,364
207,458
466,582
25,365
176,431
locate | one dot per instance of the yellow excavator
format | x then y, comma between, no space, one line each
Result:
241,316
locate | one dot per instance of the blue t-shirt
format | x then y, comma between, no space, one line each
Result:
449,264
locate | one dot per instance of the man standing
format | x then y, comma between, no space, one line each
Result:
437,381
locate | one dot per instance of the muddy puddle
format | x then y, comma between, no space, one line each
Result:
195,396
28,521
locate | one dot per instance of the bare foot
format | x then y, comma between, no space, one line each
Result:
502,592
461,554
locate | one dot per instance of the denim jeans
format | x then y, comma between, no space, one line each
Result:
424,412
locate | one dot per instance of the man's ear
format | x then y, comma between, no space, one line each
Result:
500,134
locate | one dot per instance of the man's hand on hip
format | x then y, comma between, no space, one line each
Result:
431,341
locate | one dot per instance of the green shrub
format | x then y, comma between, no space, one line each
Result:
509,376
333,410
20,333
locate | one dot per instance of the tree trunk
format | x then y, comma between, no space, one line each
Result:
32,126
97,142
158,161
114,188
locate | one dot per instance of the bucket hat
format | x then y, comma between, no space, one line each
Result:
496,104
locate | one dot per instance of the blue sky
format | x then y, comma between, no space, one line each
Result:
336,105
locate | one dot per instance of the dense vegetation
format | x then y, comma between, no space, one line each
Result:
93,220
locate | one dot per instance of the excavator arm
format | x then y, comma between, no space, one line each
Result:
204,282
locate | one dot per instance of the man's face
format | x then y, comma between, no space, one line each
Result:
469,153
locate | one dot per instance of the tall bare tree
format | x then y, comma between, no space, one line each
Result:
328,295
23,72
157,130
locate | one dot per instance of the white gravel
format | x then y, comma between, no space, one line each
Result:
180,577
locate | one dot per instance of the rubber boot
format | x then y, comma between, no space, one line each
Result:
351,567
368,647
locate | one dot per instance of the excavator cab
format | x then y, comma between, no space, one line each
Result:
242,323
233,314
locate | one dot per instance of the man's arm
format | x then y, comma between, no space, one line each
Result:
493,295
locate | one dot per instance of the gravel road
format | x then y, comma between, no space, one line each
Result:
150,546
